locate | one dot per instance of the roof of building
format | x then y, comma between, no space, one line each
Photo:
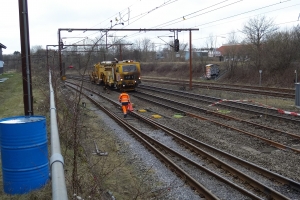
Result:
226,47
2,46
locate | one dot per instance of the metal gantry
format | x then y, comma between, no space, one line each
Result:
60,45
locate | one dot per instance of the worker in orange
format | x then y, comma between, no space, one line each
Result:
124,99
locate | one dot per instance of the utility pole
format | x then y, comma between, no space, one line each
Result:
25,57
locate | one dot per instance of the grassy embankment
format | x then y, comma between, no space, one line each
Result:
97,176
11,98
180,71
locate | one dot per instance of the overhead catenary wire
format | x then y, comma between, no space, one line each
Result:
222,34
226,17
150,11
192,15
185,16
172,1
242,13
165,24
160,26
252,16
106,20
143,14
246,18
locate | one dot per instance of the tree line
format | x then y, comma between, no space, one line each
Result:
263,47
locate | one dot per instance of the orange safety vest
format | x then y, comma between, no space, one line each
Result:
124,97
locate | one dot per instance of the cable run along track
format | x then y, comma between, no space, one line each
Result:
265,192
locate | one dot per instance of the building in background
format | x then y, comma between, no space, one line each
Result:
1,58
234,52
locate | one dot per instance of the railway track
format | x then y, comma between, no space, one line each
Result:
236,105
237,182
280,141
268,91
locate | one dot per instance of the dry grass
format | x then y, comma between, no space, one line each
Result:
98,177
11,97
181,71
280,103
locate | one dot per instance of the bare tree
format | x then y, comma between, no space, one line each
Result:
296,36
282,48
35,48
232,52
256,31
137,49
210,41
146,45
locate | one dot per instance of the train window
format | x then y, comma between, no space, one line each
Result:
129,68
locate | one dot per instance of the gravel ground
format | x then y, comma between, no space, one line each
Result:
283,162
144,160
253,150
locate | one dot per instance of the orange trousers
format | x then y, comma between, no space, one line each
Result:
124,108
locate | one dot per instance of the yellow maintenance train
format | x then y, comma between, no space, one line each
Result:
121,75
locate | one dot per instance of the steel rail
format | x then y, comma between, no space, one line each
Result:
257,185
170,164
227,104
275,144
266,190
267,173
275,89
200,85
234,172
193,148
271,175
219,114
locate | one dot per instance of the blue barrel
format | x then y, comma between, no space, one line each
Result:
24,153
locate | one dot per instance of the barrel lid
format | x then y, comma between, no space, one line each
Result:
21,119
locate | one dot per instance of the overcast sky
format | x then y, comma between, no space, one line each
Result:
211,17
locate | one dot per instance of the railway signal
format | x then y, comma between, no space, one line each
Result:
176,45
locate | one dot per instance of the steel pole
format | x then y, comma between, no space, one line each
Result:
191,60
259,79
25,56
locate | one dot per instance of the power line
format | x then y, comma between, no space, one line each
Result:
238,14
185,16
148,12
172,1
143,14
254,15
242,13
107,19
181,18
241,31
251,16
